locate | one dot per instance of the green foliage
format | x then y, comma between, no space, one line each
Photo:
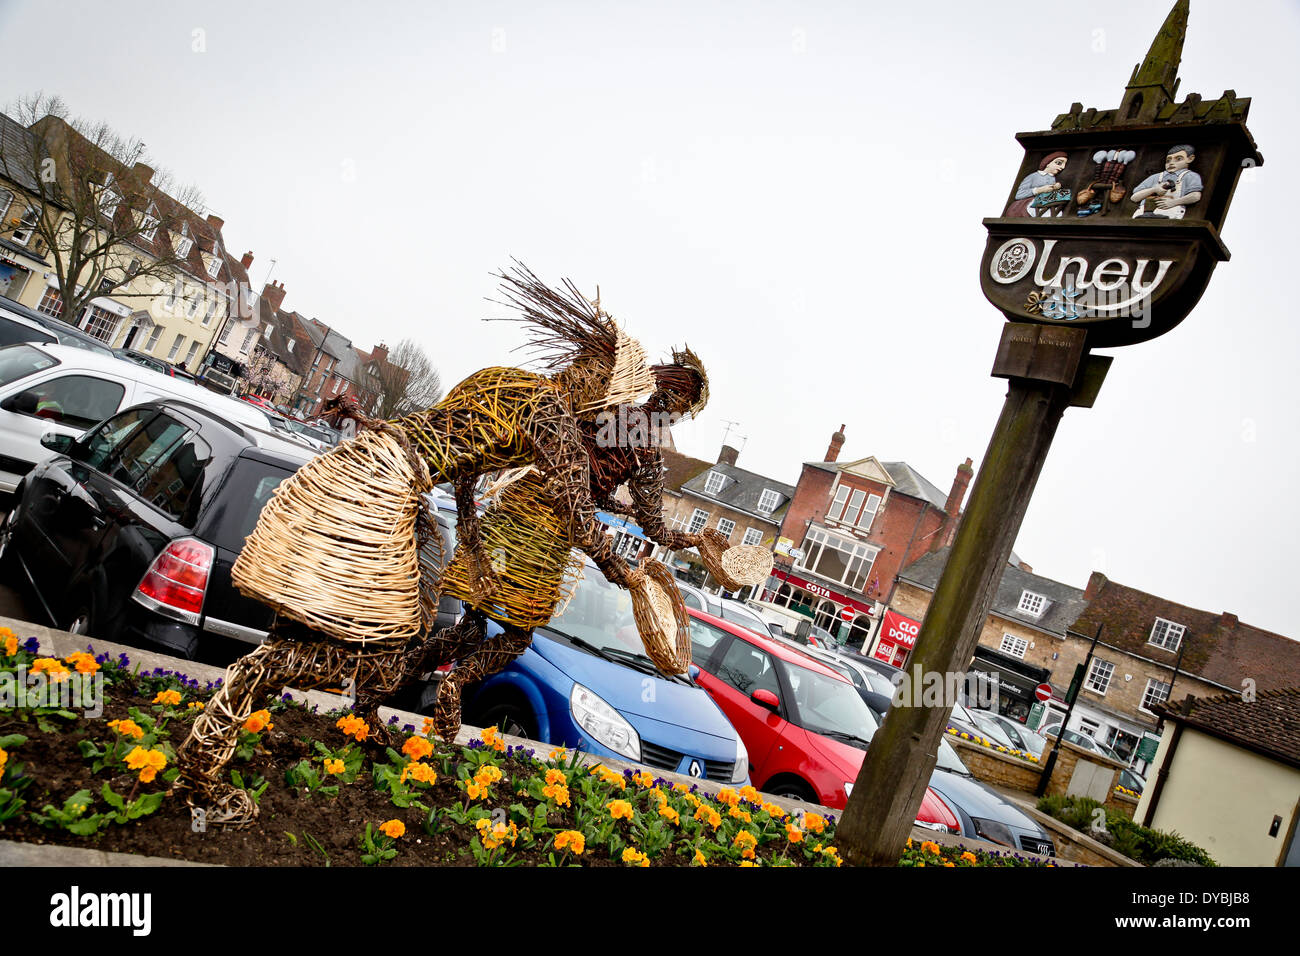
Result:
72,815
1133,840
305,777
141,806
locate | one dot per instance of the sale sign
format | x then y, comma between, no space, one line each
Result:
898,629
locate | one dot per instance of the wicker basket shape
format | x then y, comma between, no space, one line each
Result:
335,547
527,545
747,563
662,621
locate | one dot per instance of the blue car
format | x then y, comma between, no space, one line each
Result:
586,683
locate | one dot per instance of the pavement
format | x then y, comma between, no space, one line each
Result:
59,643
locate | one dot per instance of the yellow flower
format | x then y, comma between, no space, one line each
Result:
4,758
172,698
474,791
635,857
739,814
968,857
334,765
257,721
692,799
393,828
699,859
929,846
127,728
195,705
606,776
557,792
83,662
571,840
728,796
11,644
48,665
814,822
147,762
559,754
748,863
495,834
556,776
487,775
643,779
950,864
619,808
681,788
417,748
669,814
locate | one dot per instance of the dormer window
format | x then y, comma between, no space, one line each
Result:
1032,604
768,501
713,484
109,198
149,223
214,264
1166,634
184,243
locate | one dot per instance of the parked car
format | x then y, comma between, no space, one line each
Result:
128,532
153,362
805,727
1021,736
50,387
1088,743
737,612
984,813
875,689
20,317
1132,780
586,683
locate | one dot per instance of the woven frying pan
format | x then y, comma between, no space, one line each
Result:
661,619
736,567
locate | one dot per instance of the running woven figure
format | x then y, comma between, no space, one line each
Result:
337,551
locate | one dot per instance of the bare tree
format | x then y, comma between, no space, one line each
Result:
267,377
112,225
407,381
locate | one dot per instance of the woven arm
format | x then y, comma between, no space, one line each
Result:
562,458
646,486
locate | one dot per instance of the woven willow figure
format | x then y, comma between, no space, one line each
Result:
337,550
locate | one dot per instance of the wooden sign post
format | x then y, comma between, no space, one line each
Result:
1108,238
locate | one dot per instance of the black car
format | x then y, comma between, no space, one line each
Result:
157,364
129,532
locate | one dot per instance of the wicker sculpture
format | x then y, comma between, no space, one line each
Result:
337,551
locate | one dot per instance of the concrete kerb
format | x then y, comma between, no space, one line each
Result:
60,643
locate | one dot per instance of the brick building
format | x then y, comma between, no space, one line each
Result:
848,530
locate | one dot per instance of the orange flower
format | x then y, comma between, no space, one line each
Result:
669,814
353,726
417,748
699,859
258,721
171,698
393,828
420,772
814,822
749,793
969,857
427,729
492,739
748,863
495,834
554,776
608,776
619,808
793,833
487,775
745,840
147,762
559,754
739,814
571,840
127,728
83,662
474,791
4,758
929,846
195,705
334,765
774,811
11,644
635,857
709,816
728,796
643,779
48,665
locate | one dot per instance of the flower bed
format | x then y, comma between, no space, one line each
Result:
332,790
1121,834
985,742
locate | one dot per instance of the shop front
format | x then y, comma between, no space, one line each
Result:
1016,681
848,618
897,638
13,275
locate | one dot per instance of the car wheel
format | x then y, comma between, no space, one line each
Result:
510,718
7,559
79,623
794,790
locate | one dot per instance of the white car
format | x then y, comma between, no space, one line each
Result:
48,388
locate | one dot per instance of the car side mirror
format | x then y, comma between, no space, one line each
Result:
56,442
693,672
765,698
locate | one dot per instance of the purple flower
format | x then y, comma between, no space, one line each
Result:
31,645
392,720
476,744
408,728
286,698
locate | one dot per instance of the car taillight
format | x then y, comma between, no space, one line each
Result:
177,580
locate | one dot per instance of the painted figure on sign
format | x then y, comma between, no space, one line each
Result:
1040,193
1166,195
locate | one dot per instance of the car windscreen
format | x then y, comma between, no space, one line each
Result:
824,705
19,361
739,614
12,332
600,614
245,492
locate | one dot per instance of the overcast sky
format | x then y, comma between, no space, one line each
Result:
794,189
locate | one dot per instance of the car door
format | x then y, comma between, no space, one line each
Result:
66,403
735,670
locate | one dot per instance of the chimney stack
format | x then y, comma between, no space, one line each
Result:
143,173
1228,620
380,353
728,456
1096,581
215,221
837,442
959,483
273,293
247,261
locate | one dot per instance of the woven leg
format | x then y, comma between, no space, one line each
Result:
212,740
486,659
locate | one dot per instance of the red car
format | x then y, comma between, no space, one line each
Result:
805,726
259,402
